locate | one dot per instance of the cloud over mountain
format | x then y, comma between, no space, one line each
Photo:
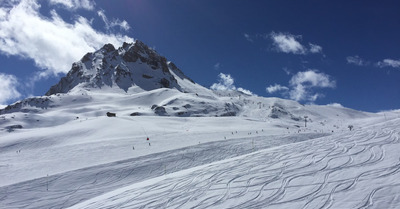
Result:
8,88
303,86
226,83
51,42
276,88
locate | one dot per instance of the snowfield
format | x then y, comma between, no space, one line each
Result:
346,171
199,163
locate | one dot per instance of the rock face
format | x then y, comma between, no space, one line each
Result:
13,127
131,65
279,111
36,102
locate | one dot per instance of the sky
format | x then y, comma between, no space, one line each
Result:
343,53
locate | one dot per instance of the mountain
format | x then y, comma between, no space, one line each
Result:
133,65
134,80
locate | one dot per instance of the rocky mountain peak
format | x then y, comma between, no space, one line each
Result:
132,65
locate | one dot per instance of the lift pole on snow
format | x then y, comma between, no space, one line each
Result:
305,121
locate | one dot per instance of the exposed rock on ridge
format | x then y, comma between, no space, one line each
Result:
132,64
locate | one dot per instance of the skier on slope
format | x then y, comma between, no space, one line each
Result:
148,140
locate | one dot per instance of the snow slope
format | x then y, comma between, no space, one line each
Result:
196,162
357,170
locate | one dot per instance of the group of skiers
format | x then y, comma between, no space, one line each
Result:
147,139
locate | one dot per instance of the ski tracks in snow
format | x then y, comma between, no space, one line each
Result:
358,169
67,189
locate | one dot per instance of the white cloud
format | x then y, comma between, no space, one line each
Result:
74,4
315,48
217,66
389,63
356,60
226,83
287,71
52,43
8,88
248,38
312,78
276,88
335,105
245,91
287,43
115,23
302,86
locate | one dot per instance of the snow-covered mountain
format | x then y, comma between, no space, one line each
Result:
210,149
134,73
133,65
135,80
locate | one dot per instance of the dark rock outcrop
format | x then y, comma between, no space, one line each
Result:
110,114
133,64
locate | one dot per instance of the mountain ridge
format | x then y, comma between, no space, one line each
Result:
130,65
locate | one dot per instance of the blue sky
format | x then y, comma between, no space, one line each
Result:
323,52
